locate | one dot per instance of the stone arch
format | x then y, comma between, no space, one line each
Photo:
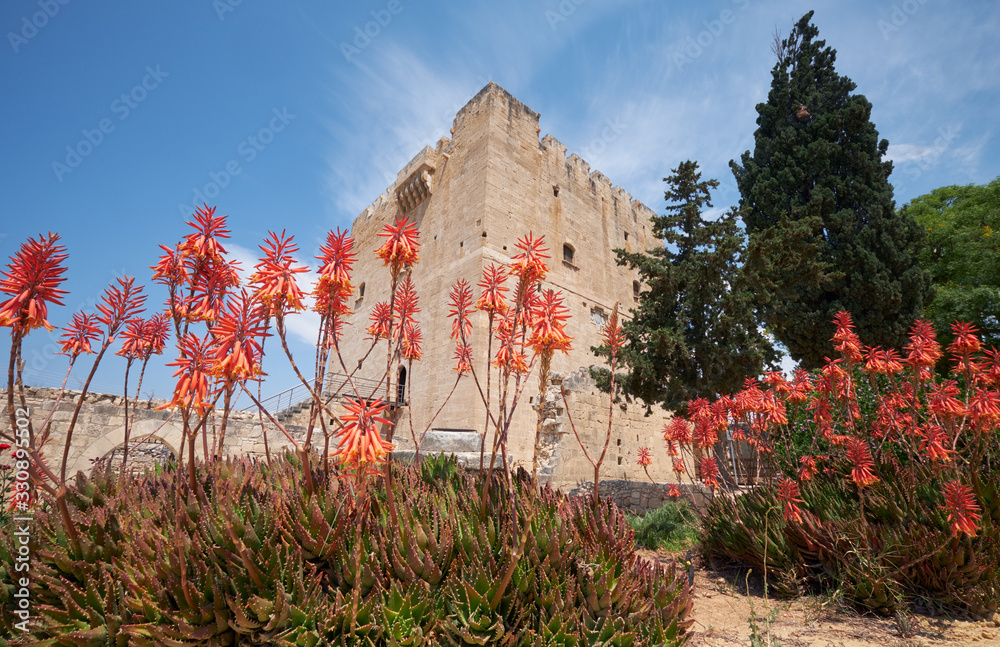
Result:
143,453
82,455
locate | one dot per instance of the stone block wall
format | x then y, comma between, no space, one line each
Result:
640,497
100,428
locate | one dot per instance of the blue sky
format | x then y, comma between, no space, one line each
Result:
117,116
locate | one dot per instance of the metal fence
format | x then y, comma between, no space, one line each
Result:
336,386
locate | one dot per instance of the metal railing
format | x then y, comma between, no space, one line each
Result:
335,386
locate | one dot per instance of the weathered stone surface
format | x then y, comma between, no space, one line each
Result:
473,196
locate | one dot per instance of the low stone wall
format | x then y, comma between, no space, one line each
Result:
100,428
640,497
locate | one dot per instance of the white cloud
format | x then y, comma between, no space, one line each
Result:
303,325
403,104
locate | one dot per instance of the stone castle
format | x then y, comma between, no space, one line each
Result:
472,196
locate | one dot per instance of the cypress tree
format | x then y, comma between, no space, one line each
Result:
695,331
819,210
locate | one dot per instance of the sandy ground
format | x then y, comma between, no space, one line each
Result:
722,610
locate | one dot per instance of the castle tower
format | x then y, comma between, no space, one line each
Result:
473,197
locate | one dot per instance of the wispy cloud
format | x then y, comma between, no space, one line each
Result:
303,325
401,104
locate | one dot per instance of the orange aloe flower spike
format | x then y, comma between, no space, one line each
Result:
32,280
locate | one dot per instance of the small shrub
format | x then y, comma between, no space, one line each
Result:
670,527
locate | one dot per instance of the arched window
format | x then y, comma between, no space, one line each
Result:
568,253
635,290
401,387
143,454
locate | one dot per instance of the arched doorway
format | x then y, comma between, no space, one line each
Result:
401,387
144,454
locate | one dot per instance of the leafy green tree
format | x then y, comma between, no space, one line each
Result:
695,332
962,255
818,207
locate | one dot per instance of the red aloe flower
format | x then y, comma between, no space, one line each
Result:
822,412
460,303
883,362
942,402
808,469
32,279
463,358
548,323
336,258
862,463
991,375
845,341
673,492
984,407
143,338
965,343
381,319
963,511
773,410
492,298
157,331
709,471
79,335
210,286
923,351
705,434
612,334
411,342
530,265
645,460
236,351
170,269
334,284
118,305
194,366
360,441
932,446
132,339
508,356
204,242
405,304
788,492
401,246
677,430
678,466
890,421
801,388
274,279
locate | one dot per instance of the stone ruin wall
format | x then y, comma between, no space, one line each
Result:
100,429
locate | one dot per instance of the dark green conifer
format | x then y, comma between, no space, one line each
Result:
819,211
694,332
